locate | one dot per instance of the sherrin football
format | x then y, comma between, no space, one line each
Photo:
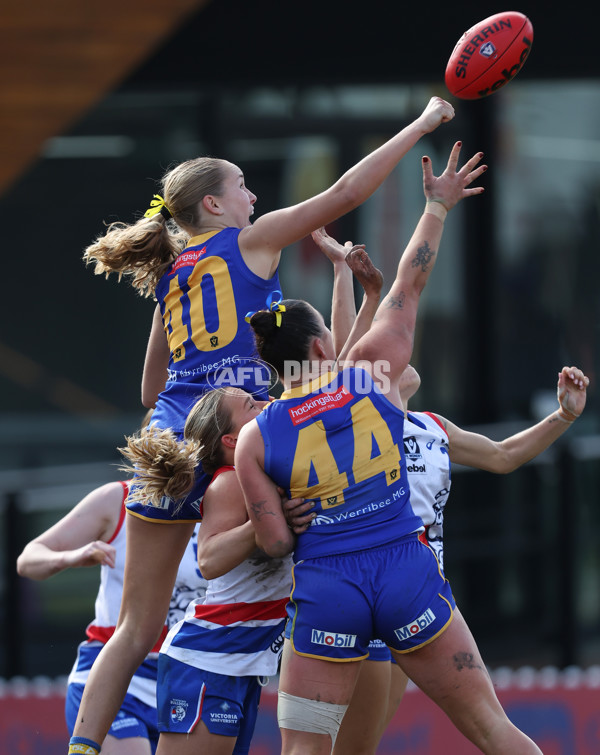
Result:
489,55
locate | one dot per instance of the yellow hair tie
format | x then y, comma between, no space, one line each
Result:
158,205
273,306
278,309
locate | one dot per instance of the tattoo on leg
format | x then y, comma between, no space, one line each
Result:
465,660
395,302
423,257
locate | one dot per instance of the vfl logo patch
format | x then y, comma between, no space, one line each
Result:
178,709
487,50
332,639
411,447
416,626
414,458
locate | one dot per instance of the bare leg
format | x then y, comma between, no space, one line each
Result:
127,746
153,554
398,684
199,741
451,672
312,678
377,695
365,719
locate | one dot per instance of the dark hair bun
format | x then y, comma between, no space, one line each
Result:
263,323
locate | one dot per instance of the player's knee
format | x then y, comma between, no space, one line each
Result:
313,716
137,639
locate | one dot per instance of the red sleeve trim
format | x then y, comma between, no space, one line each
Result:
125,486
219,471
439,422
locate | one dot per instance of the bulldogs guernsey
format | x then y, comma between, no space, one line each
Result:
429,477
338,441
189,583
204,298
236,629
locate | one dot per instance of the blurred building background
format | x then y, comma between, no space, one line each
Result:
98,100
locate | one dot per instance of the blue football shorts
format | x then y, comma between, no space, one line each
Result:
228,705
379,651
394,593
134,719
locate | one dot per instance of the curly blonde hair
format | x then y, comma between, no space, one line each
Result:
144,250
163,465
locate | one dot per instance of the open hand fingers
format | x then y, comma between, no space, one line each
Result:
453,159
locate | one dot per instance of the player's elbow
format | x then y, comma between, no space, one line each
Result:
207,569
149,399
349,194
503,464
278,548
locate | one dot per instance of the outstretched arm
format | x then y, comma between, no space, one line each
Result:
348,261
391,336
343,308
371,280
78,539
501,457
261,242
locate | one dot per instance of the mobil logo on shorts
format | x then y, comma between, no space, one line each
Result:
416,626
333,639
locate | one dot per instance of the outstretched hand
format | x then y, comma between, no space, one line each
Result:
331,248
365,272
571,392
452,185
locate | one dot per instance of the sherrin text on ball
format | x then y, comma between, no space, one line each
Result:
489,55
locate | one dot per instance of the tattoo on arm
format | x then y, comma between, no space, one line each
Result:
395,302
259,510
423,257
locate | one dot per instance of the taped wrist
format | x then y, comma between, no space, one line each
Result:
436,207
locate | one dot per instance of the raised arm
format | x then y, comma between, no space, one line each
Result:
263,500
269,234
350,260
391,335
343,307
501,457
78,539
371,280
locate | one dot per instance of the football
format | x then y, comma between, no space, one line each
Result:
489,55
